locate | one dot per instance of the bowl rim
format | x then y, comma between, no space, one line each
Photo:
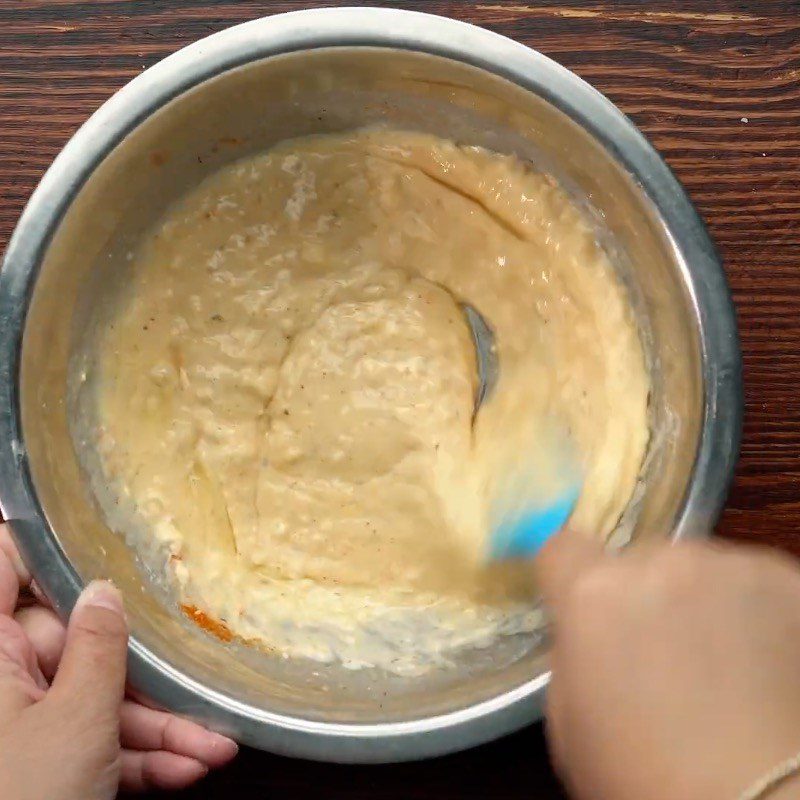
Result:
296,31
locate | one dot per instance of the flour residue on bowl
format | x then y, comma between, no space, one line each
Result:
279,412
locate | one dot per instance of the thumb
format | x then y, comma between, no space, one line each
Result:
91,675
561,562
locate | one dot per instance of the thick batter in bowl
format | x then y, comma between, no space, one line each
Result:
280,401
238,94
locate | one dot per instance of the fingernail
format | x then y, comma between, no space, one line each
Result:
37,592
102,594
223,747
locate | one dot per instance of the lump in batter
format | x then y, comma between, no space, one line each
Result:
283,400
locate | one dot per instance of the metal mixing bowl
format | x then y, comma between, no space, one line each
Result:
238,92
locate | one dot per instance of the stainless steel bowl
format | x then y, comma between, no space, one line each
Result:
237,92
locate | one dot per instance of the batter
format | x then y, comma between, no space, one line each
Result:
283,401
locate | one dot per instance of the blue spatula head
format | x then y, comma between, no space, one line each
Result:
523,532
522,523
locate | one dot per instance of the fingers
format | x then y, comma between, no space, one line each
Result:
9,586
21,682
147,729
8,547
13,573
554,725
91,676
158,770
46,633
561,561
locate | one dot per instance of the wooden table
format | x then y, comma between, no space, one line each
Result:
716,86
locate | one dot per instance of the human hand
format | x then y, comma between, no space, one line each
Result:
675,669
66,730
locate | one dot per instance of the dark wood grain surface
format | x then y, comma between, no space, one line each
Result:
715,85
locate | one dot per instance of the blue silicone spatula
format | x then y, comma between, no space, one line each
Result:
523,534
521,528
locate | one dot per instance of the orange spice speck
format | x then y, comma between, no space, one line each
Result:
213,626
